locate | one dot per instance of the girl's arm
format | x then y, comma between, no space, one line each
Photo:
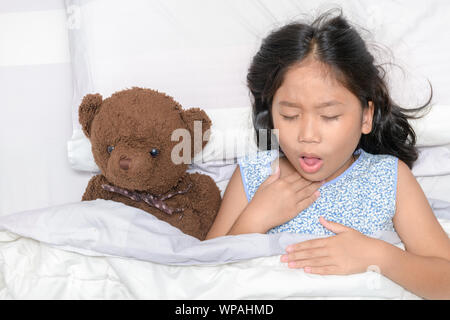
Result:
424,268
233,203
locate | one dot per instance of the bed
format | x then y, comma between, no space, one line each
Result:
52,246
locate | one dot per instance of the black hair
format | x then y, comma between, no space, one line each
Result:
337,44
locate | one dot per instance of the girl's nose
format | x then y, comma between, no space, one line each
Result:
308,130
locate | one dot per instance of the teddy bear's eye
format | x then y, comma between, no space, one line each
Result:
110,149
154,152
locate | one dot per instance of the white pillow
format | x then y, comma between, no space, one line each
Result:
433,129
432,161
199,52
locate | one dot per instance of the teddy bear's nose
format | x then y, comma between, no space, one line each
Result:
124,163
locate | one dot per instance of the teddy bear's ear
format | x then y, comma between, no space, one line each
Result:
88,109
195,117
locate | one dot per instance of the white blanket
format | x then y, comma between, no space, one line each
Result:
112,251
32,270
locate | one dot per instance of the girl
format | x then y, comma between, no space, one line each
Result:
343,138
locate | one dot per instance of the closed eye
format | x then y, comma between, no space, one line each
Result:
295,117
289,118
330,118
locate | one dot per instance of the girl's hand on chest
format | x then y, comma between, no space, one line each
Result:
348,252
280,198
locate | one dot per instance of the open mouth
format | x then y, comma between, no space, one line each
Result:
311,165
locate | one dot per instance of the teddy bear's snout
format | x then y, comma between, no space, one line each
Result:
124,163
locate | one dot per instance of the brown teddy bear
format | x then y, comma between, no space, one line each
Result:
131,138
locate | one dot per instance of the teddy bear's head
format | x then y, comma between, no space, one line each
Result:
131,135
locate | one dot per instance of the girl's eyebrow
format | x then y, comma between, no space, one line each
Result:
320,105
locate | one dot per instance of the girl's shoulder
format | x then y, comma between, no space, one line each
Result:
380,157
378,163
382,164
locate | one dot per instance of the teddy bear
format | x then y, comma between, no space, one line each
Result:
133,144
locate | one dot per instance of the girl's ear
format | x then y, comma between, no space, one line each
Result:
88,109
197,122
368,118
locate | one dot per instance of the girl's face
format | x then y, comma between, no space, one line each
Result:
317,116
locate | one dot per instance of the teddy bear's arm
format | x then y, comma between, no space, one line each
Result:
206,199
94,189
